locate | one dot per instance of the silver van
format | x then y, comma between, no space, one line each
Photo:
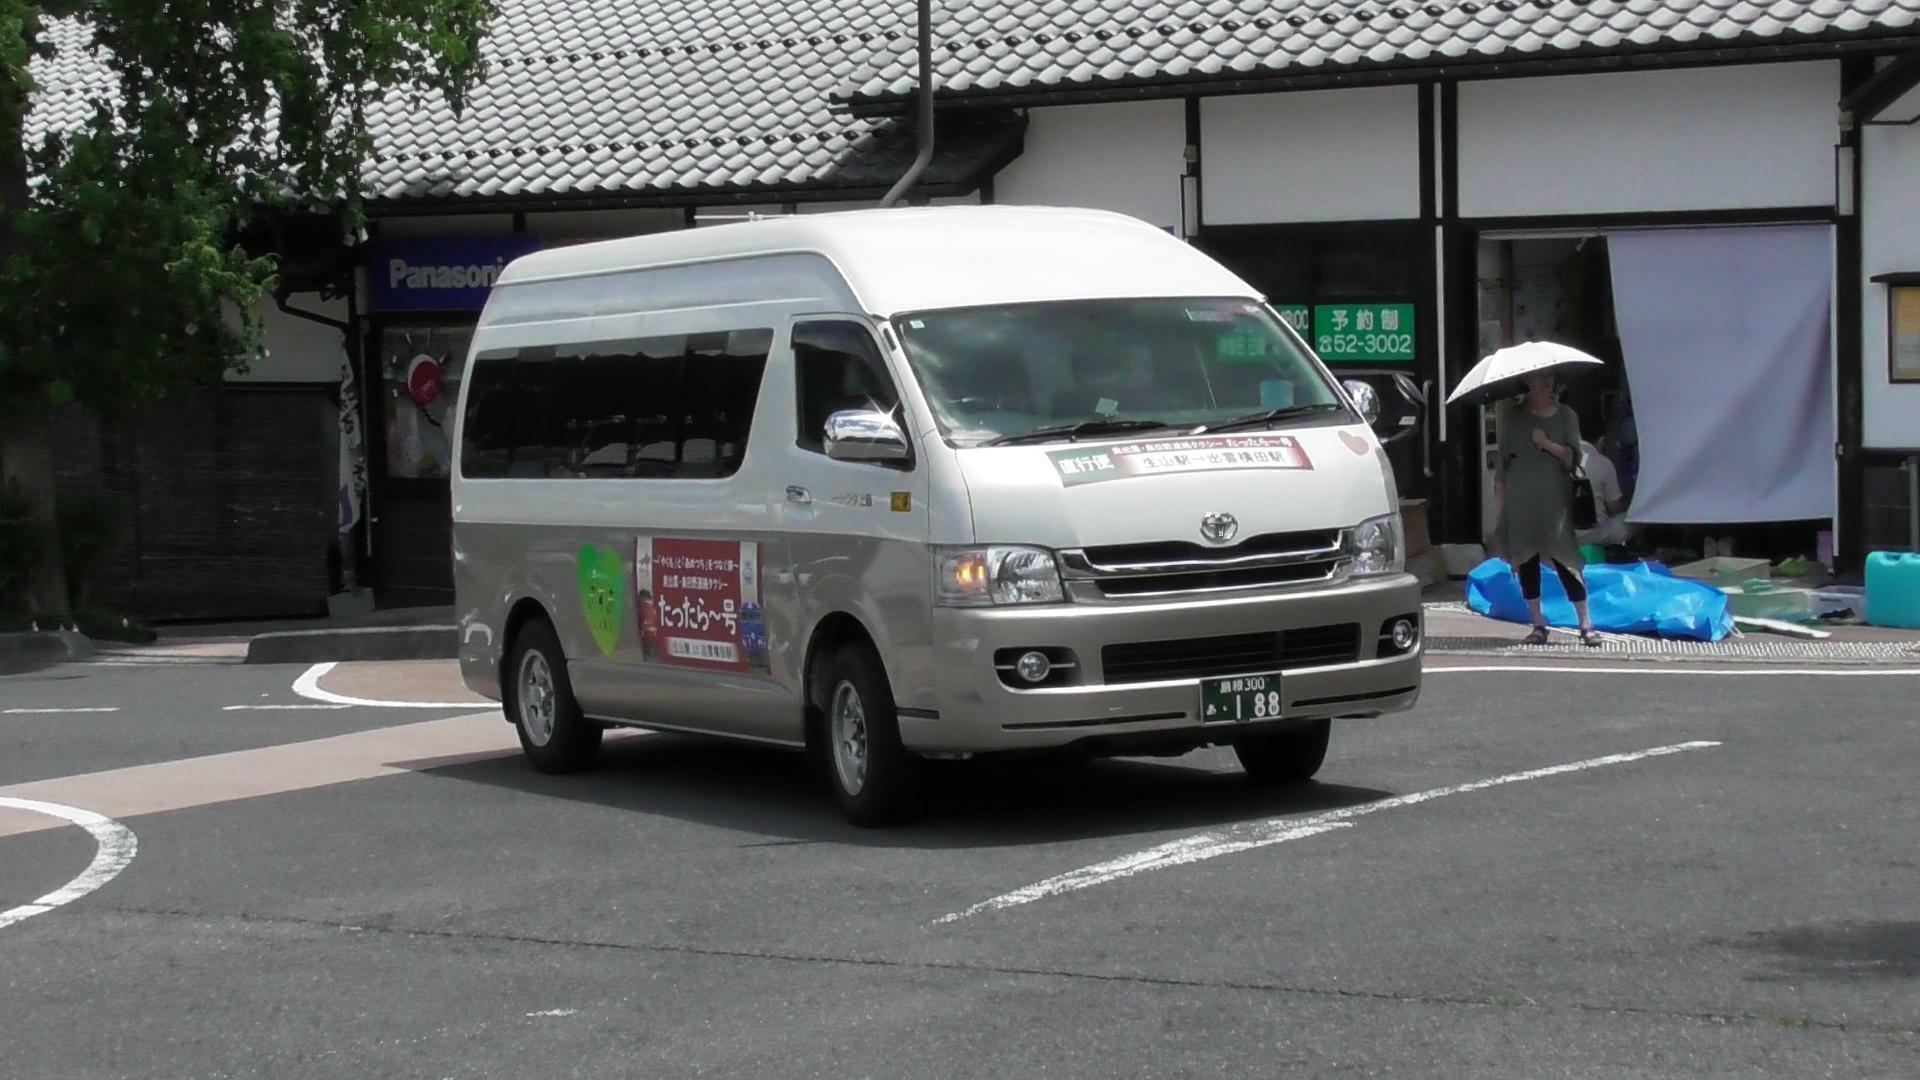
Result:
902,484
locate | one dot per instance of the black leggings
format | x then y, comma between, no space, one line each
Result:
1530,580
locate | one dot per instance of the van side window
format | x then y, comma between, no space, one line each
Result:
676,407
487,439
838,367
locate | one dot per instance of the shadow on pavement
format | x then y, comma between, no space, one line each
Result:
776,795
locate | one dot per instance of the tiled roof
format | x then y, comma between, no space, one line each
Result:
1009,48
617,98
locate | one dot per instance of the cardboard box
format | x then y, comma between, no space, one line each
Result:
1413,525
1724,571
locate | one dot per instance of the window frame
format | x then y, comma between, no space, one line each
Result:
634,348
883,369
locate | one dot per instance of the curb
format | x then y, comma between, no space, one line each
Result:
30,651
365,643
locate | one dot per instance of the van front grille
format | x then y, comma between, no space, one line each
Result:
1127,556
1175,567
1217,580
1231,654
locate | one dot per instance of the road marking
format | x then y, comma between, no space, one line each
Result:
271,770
1245,837
269,708
115,847
554,1012
308,686
1723,669
42,712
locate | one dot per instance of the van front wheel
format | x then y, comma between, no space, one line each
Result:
539,700
874,776
1286,757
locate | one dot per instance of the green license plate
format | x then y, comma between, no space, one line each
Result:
1240,699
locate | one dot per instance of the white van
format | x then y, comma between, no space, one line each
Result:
919,483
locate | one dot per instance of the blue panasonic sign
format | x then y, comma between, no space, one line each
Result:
440,274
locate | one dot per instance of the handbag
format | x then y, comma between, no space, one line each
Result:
1583,512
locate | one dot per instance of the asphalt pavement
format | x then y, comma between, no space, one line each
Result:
1536,873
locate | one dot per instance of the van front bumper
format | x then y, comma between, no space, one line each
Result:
978,711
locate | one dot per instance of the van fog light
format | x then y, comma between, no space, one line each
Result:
1404,634
1033,666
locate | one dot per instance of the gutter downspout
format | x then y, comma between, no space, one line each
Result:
925,157
312,316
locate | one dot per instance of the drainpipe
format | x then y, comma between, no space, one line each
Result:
925,157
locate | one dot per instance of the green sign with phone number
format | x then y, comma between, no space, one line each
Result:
1380,333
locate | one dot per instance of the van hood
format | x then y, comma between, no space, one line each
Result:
1128,491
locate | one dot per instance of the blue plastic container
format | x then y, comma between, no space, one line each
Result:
1893,589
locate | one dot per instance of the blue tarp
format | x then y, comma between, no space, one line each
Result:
1641,598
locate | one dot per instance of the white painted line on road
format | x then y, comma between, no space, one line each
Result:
308,686
115,848
1209,845
554,1012
1725,669
44,712
269,708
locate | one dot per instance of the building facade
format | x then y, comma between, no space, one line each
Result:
1716,199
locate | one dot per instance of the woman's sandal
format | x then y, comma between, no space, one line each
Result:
1590,637
1537,637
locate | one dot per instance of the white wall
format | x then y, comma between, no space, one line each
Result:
1890,243
1328,155
1127,157
298,350
1707,139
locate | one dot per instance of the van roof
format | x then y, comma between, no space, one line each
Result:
931,257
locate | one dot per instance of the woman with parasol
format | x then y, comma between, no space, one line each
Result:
1539,456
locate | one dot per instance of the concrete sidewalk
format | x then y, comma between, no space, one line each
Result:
418,633
1454,630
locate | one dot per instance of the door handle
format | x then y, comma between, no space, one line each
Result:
798,495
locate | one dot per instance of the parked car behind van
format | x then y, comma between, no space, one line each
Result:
910,483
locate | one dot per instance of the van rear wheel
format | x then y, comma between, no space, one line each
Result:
874,777
554,734
1286,757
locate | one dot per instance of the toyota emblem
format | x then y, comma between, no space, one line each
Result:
1219,527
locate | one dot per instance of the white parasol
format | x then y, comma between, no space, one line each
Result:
1504,373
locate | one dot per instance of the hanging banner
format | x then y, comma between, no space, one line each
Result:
353,460
700,603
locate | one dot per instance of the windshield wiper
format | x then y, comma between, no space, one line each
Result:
1074,431
1271,416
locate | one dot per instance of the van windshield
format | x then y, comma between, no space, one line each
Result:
1082,368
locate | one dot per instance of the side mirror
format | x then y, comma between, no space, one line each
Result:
1365,398
865,435
1410,390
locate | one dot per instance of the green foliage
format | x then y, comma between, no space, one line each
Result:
19,538
122,276
89,527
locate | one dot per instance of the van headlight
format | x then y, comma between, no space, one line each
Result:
1378,547
986,576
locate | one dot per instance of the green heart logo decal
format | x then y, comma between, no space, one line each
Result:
603,594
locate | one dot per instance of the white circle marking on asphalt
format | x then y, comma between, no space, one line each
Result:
308,686
116,848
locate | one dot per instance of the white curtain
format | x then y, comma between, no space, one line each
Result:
1729,362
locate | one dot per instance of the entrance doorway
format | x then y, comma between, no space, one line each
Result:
1728,329
416,370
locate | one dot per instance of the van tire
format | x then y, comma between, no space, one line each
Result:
1285,757
538,698
873,775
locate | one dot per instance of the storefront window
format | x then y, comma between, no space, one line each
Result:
420,376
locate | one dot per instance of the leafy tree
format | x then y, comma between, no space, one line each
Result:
123,278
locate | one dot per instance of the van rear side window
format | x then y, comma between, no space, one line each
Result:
676,407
